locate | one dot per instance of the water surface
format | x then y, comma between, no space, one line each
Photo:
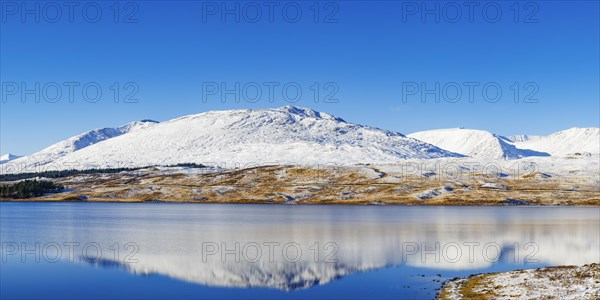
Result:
147,251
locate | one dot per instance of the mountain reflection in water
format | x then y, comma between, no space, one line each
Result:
294,247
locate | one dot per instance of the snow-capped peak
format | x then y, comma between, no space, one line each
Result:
473,143
136,125
8,157
483,144
307,112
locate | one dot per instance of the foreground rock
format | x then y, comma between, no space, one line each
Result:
563,282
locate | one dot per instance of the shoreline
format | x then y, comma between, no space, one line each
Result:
129,201
569,281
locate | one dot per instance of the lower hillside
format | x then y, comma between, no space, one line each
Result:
550,183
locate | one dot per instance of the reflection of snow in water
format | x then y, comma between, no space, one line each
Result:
366,246
288,247
258,254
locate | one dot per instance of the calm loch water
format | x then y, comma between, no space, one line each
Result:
187,251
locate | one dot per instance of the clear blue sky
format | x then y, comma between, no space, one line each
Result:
368,52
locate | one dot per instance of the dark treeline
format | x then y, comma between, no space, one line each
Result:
66,173
29,189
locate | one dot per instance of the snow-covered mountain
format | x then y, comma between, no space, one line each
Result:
474,143
562,143
63,148
8,157
284,135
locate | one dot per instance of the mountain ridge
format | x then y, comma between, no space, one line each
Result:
284,135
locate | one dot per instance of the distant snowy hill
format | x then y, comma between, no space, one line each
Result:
288,134
562,143
474,143
8,157
50,154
